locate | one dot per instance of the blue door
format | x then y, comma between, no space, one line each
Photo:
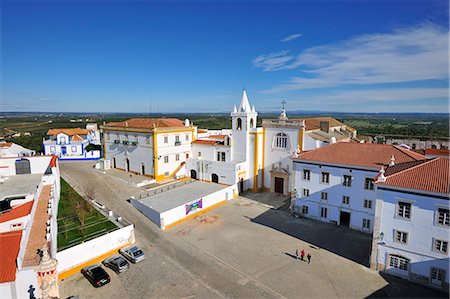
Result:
63,150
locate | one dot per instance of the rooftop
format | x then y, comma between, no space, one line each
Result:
147,123
429,175
314,123
178,196
360,154
38,233
17,212
9,245
18,185
70,132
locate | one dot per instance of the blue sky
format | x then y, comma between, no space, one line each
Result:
133,56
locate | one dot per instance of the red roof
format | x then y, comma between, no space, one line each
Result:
5,144
17,212
217,136
431,175
437,152
9,249
360,154
148,123
69,132
53,161
206,142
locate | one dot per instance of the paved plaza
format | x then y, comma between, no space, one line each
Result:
244,249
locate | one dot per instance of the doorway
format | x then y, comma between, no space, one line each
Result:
344,219
241,186
193,174
279,183
23,166
142,169
114,162
63,150
128,165
215,178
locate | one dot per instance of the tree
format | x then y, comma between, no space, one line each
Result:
90,192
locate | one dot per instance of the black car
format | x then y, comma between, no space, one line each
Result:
96,275
117,263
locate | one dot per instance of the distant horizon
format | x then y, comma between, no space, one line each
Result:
195,57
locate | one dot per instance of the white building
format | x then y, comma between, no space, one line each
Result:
336,183
155,147
74,143
412,222
29,196
9,149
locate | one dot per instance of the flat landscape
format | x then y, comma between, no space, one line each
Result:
226,253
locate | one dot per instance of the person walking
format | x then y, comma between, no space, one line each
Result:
302,255
309,257
296,253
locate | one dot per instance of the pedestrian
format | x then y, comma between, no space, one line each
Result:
309,257
302,255
296,253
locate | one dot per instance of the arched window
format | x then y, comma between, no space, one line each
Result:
281,140
252,123
228,141
239,124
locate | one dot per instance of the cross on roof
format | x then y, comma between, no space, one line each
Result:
283,102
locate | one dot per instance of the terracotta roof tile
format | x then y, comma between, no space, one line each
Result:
217,136
314,123
206,142
9,249
38,231
431,175
17,212
69,132
437,152
6,144
148,123
77,137
360,154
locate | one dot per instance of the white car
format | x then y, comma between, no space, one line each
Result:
133,254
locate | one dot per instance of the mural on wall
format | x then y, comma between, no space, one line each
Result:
194,206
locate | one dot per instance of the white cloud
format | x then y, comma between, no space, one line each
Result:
404,55
273,61
291,37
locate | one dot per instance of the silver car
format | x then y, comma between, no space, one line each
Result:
133,254
117,263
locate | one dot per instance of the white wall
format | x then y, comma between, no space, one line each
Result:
336,190
227,171
209,200
82,253
422,231
38,164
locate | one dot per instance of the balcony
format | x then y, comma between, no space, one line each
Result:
177,143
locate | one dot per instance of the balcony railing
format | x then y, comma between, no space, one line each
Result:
177,143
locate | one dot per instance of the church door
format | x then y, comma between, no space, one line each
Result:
214,178
193,174
279,183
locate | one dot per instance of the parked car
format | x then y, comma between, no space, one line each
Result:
96,275
117,263
133,254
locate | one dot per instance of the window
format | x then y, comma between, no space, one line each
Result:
437,276
166,159
199,154
304,209
306,174
62,140
221,156
404,209
239,124
186,137
305,192
367,204
347,180
166,139
398,262
177,138
401,237
346,200
324,195
147,139
325,178
323,212
177,157
442,216
368,184
52,149
440,246
281,140
366,223
74,148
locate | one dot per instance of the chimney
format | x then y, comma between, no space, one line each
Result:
381,177
186,122
325,126
392,161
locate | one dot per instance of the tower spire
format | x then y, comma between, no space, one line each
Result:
244,106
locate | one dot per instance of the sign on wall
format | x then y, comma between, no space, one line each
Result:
194,206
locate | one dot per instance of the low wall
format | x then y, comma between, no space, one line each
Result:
147,211
208,202
73,259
